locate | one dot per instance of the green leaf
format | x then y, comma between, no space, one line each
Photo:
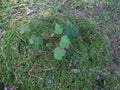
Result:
65,42
58,29
35,40
24,28
59,53
71,30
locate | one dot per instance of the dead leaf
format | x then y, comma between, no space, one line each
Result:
31,70
45,36
19,18
2,32
52,35
28,11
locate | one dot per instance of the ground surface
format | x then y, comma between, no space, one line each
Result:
27,41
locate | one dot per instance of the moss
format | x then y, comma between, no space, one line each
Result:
87,46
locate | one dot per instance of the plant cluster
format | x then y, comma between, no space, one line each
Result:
60,51
31,62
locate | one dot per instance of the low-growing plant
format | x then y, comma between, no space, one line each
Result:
27,59
60,51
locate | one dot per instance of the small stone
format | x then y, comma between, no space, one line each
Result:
74,71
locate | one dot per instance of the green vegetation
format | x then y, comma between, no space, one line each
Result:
54,51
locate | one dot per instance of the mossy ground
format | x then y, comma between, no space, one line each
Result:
33,67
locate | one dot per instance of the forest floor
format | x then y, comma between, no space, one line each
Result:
28,40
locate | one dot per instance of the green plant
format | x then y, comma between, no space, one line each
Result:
71,30
60,51
28,69
58,29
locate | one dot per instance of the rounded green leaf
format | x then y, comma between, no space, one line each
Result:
58,29
59,53
65,42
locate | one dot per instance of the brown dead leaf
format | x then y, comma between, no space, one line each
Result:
2,32
15,47
45,36
30,72
19,18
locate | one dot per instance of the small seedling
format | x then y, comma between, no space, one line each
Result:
58,29
65,42
60,51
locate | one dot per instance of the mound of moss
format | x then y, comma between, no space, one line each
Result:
27,55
